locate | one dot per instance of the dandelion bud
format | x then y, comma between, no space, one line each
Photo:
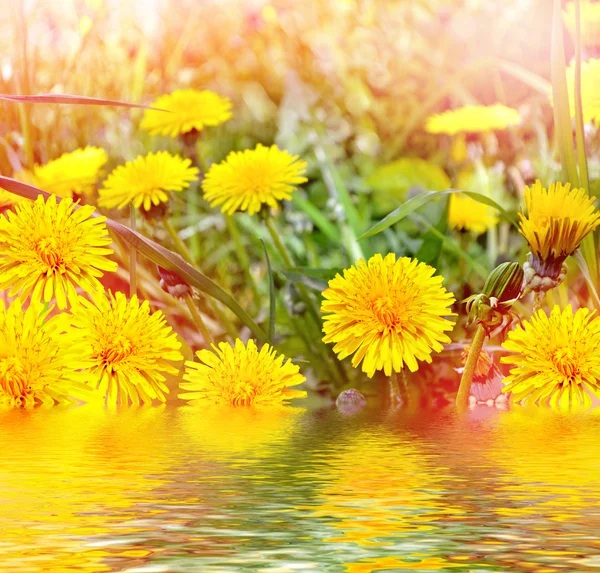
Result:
505,282
172,283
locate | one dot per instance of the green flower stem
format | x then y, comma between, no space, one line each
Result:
394,389
198,319
398,388
242,256
213,305
337,371
190,150
180,246
132,255
289,263
462,398
538,301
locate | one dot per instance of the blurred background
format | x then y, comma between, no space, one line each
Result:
369,71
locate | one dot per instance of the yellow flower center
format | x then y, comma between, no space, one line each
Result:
386,310
13,378
49,252
566,363
258,180
116,350
243,394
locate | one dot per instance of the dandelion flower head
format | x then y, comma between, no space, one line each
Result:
39,358
590,22
147,181
74,173
247,180
47,248
241,375
554,221
187,110
590,89
387,313
466,214
473,119
130,348
557,358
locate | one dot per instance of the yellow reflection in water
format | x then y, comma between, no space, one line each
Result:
549,459
381,490
242,433
67,475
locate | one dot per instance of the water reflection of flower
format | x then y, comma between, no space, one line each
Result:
228,431
547,488
379,494
85,472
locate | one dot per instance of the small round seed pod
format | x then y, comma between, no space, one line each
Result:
350,402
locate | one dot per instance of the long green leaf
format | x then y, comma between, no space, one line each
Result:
315,279
422,199
433,240
73,100
272,295
317,217
451,245
155,253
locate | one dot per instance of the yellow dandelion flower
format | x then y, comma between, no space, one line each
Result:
387,313
241,376
590,89
466,214
47,248
146,181
39,358
74,173
7,198
189,110
554,221
249,179
558,358
473,119
590,22
129,348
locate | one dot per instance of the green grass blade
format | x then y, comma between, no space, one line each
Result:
157,254
422,199
588,246
538,83
337,189
560,94
433,240
579,134
272,296
315,279
585,271
317,217
452,246
73,100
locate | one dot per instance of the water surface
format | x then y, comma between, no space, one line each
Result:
180,490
